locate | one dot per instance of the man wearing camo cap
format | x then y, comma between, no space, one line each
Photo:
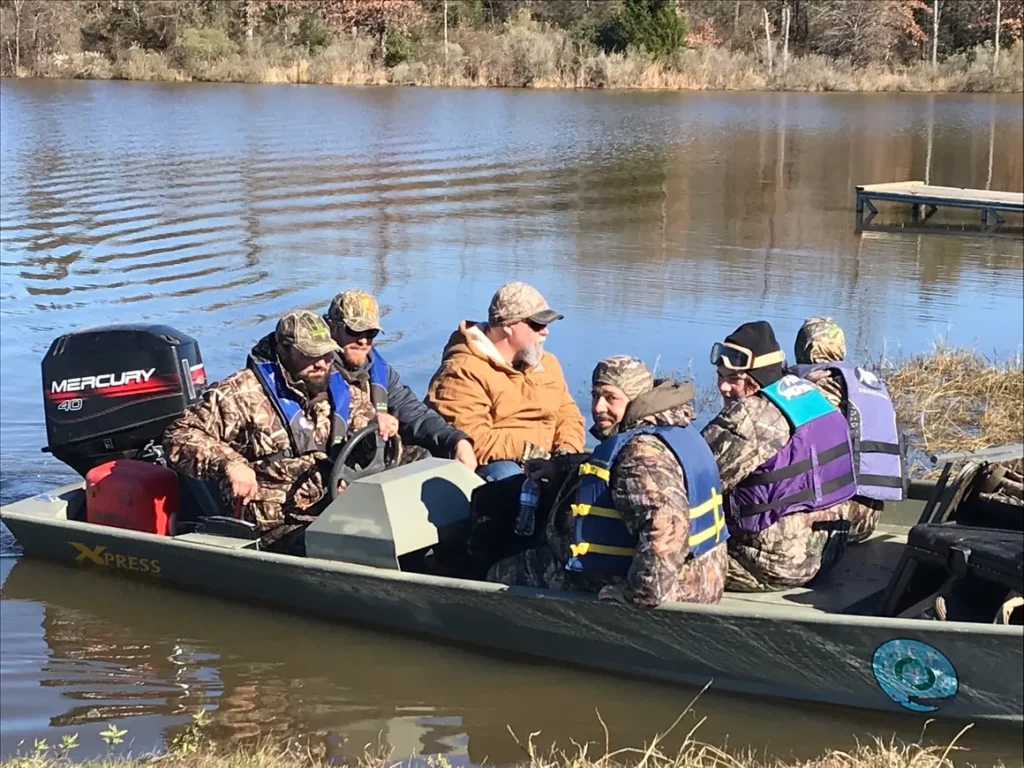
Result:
820,351
267,431
645,523
378,392
497,384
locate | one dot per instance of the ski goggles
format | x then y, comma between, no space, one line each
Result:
737,358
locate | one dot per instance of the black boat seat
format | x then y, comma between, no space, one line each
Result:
990,554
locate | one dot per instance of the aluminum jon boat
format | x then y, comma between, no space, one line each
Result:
387,552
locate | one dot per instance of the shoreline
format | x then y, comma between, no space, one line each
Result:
349,63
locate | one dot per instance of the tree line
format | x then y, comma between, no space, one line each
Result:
863,32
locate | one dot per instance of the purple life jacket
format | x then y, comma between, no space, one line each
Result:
812,471
879,453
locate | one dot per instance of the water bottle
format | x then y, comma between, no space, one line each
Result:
529,496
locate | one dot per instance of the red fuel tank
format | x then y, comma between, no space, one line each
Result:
131,494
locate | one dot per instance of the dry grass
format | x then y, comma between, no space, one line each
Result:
956,399
531,55
691,754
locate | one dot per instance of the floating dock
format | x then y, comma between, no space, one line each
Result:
918,195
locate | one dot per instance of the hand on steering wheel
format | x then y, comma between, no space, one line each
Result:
342,473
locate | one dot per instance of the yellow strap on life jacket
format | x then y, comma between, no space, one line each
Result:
713,505
707,506
586,547
582,510
593,469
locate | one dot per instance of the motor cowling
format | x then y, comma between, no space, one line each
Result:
108,392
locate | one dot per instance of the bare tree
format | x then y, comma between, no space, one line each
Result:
18,6
936,10
999,13
785,38
865,31
768,40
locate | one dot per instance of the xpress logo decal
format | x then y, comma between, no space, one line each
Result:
99,555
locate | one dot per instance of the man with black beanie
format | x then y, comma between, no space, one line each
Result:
785,462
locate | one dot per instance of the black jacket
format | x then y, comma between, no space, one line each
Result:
418,423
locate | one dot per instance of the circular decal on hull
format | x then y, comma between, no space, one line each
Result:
914,674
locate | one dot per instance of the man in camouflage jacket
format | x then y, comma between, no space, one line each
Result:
821,340
747,432
235,434
648,490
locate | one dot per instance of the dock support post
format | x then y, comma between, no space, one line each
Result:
872,211
915,212
860,211
984,219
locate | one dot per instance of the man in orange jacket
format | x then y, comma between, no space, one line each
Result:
497,384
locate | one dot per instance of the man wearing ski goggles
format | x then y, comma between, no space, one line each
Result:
736,366
786,521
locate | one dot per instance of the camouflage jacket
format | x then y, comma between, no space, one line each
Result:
235,421
745,434
649,491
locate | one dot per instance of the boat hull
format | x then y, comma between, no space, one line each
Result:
791,652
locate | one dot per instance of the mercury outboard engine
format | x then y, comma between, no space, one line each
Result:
111,391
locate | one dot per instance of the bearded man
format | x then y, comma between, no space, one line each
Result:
498,384
377,390
267,432
646,524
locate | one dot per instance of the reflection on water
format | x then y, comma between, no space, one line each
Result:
655,222
147,657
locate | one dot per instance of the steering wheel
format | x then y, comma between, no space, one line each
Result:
342,472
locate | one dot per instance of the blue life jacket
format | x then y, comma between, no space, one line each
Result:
600,540
300,431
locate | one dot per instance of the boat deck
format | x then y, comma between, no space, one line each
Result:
864,570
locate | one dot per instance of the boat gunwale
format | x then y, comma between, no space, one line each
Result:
734,607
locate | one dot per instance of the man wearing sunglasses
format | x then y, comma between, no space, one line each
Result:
497,384
378,392
785,460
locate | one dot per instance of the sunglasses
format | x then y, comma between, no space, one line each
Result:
535,326
369,335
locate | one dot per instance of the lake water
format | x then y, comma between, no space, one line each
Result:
656,222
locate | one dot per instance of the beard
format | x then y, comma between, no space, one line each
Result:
353,358
604,431
531,355
313,383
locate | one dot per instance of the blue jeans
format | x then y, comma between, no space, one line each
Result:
499,470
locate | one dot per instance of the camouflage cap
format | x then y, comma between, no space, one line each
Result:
627,373
306,332
819,340
355,309
517,301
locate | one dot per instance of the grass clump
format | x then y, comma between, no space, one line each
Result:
192,749
957,399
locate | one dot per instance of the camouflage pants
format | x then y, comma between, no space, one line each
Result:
789,553
541,568
863,515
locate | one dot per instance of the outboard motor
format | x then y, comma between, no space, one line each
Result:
109,393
